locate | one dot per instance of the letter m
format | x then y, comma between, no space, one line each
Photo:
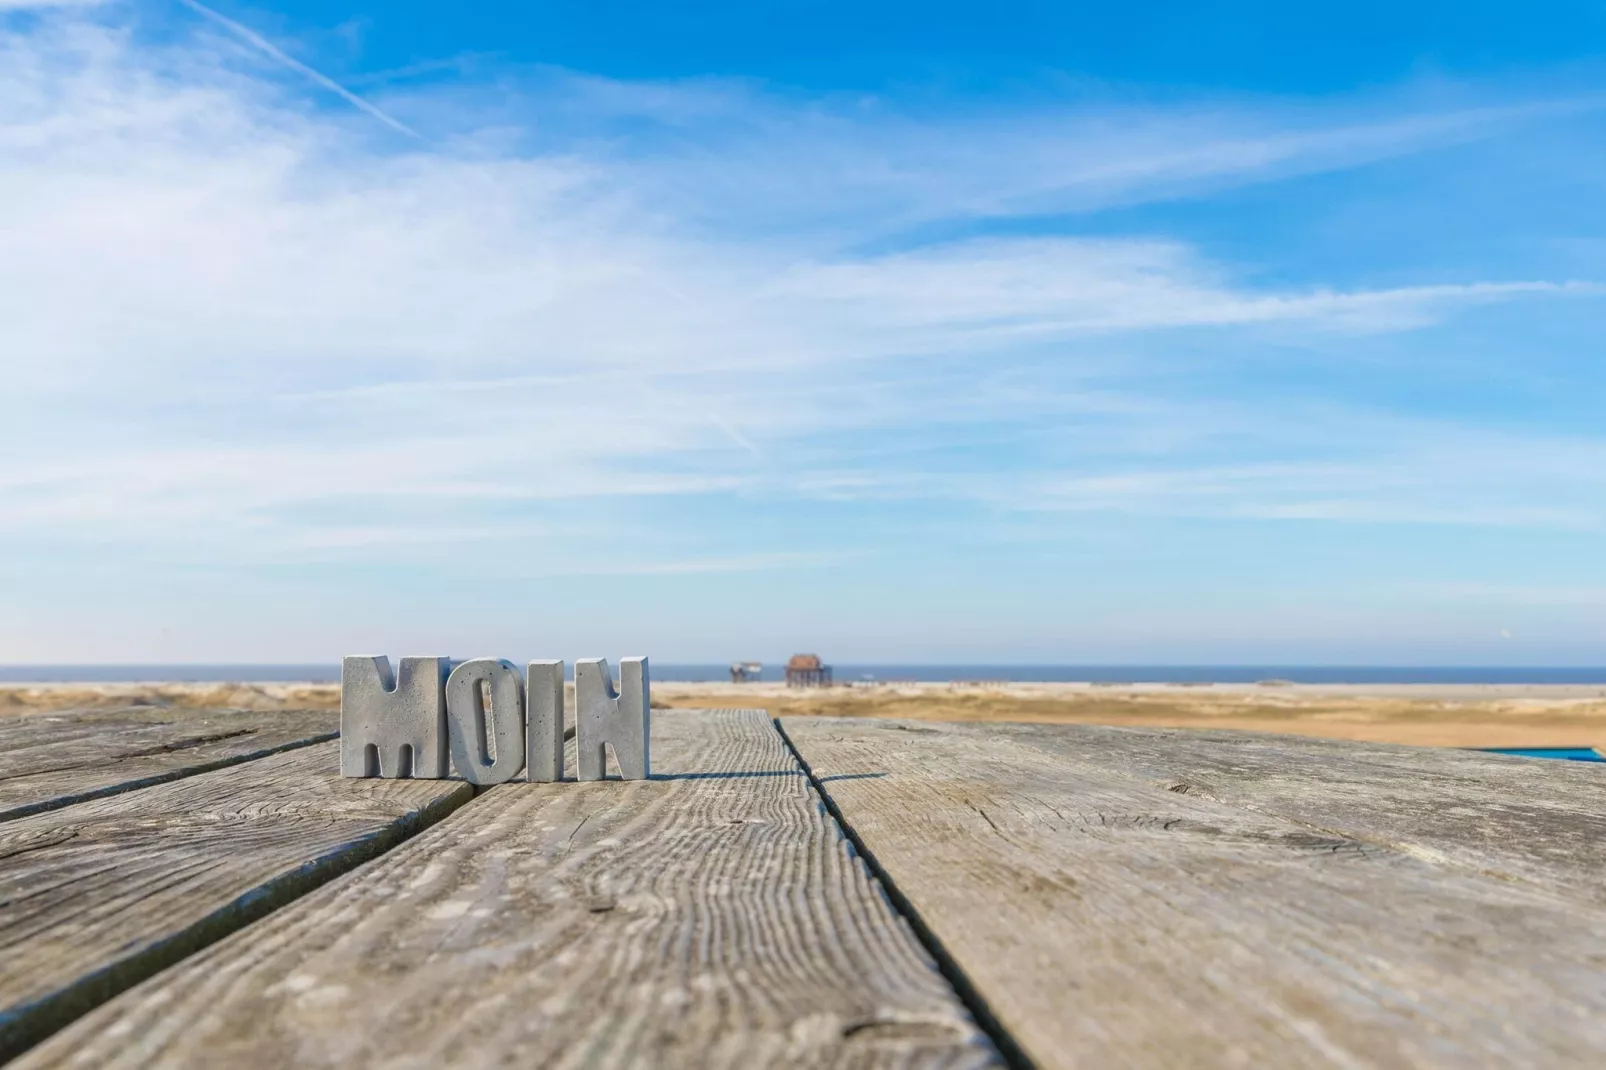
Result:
393,726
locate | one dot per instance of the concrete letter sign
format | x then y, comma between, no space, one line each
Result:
393,726
603,717
483,719
472,733
543,726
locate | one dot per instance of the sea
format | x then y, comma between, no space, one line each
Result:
329,672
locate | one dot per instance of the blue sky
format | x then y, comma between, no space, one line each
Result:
942,332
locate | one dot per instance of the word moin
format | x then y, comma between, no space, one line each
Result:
409,723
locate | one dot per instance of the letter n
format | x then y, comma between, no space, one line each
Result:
603,717
393,726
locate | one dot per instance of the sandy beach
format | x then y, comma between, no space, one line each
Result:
1550,715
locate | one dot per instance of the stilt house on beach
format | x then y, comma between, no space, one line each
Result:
806,670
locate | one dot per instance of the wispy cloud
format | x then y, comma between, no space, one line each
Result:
856,170
1043,287
278,55
705,565
224,310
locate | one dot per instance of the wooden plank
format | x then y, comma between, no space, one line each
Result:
1104,920
97,896
1541,822
50,760
712,916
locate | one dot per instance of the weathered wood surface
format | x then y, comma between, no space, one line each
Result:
1520,819
97,896
712,916
49,760
1107,921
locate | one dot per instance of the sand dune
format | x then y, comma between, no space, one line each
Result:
1456,716
23,698
1429,715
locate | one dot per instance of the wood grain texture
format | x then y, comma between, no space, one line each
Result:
712,916
1519,819
1108,921
97,896
50,760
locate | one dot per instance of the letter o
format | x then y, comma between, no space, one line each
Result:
467,728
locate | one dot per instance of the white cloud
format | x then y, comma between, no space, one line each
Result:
278,55
1058,286
221,310
727,153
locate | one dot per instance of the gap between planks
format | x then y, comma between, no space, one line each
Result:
98,896
714,916
1110,920
1009,1049
50,760
25,1024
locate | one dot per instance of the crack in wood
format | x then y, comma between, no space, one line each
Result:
1013,1054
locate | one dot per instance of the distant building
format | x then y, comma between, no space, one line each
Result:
746,672
806,670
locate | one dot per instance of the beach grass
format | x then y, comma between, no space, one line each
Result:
1426,715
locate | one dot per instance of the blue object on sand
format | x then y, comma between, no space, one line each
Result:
1574,754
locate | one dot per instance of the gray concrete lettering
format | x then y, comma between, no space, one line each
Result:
476,732
393,726
543,725
603,717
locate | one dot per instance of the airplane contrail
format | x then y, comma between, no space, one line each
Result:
255,39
